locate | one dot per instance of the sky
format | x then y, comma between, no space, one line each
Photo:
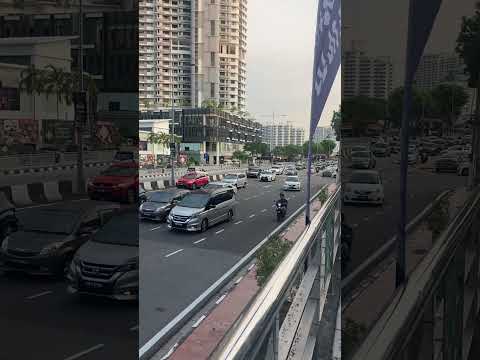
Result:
281,39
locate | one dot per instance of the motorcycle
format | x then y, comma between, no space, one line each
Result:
281,210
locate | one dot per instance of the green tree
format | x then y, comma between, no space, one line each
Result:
336,123
448,101
270,256
257,149
240,155
420,106
327,146
32,82
361,111
56,80
468,47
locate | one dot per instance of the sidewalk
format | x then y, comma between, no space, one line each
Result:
374,294
212,328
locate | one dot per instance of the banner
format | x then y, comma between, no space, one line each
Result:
327,56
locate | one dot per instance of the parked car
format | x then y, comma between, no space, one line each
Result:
201,209
119,182
292,183
159,203
253,172
220,185
108,265
381,149
142,194
268,175
327,172
193,180
291,172
278,169
447,163
48,237
363,160
8,217
364,186
239,180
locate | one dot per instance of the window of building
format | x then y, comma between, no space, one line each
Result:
212,27
212,59
212,90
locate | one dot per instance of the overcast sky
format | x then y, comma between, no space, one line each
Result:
281,36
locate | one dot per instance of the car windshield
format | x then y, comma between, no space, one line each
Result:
364,178
120,171
190,176
230,177
160,197
48,221
361,154
292,179
194,201
121,230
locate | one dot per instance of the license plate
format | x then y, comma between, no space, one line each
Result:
94,285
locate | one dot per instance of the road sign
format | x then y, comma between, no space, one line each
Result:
80,107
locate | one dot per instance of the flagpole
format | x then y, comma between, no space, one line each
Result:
309,174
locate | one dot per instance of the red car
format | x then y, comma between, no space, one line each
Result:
193,180
119,182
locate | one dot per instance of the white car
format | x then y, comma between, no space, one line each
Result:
364,186
238,180
267,175
221,184
278,169
292,183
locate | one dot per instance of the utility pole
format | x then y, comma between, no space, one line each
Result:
80,125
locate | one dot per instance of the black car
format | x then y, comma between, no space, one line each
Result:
108,264
8,218
48,237
159,203
253,172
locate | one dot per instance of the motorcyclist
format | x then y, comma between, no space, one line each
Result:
283,201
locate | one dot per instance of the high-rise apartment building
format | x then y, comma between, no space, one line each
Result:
192,51
323,133
434,69
281,135
364,75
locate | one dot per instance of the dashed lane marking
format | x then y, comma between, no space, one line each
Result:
195,325
263,210
85,352
155,228
199,241
238,222
251,216
170,352
219,231
38,295
220,299
173,253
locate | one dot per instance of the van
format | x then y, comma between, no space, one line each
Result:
201,209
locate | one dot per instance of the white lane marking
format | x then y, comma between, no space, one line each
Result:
273,205
220,299
85,352
199,321
199,241
251,216
134,328
219,231
170,352
173,253
155,228
38,295
263,210
251,267
238,280
238,222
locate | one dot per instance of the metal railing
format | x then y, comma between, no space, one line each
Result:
306,283
154,344
435,314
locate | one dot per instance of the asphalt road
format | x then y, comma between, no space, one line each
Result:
40,320
373,226
175,268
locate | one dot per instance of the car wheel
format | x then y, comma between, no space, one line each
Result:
131,196
194,186
204,225
66,267
230,215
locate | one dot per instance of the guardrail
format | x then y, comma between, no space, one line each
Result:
308,271
434,315
162,337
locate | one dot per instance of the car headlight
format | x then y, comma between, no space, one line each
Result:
131,265
51,248
5,244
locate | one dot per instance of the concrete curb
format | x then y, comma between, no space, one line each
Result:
42,169
38,193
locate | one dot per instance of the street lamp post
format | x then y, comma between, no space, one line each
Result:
80,174
172,153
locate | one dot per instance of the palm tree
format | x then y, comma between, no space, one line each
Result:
32,82
56,83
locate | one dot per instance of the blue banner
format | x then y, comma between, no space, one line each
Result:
327,56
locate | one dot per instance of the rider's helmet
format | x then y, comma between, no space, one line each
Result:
282,195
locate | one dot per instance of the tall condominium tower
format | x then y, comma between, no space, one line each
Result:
192,51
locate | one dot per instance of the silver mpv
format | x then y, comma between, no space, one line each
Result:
199,210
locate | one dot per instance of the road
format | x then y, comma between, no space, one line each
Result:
423,186
41,320
177,267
